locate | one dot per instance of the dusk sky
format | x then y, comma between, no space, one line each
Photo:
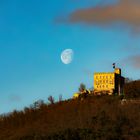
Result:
33,33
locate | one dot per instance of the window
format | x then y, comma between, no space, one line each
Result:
111,82
96,82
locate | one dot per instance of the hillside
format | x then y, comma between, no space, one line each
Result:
132,89
95,117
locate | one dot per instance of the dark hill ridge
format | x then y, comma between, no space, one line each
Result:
132,89
96,117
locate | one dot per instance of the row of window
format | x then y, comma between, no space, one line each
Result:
107,77
104,82
102,86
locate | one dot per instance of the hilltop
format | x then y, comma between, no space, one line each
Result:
95,117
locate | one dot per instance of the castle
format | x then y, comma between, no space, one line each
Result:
111,83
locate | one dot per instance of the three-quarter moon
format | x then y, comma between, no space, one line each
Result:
67,56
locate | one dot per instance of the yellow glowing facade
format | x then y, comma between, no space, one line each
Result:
104,82
108,83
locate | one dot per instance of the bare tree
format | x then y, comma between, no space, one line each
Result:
82,87
51,99
128,80
60,97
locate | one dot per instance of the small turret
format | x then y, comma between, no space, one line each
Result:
117,71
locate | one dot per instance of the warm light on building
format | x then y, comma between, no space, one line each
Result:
105,83
108,82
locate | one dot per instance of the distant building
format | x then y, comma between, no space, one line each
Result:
109,82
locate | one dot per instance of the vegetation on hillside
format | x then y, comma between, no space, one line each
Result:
132,89
94,118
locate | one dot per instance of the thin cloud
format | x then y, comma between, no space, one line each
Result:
14,98
125,12
133,61
131,49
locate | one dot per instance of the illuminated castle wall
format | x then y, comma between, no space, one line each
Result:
108,82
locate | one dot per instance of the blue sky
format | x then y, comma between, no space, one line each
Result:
31,42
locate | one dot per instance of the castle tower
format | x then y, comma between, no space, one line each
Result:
117,71
109,82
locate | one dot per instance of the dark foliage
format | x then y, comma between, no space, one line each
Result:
93,118
132,89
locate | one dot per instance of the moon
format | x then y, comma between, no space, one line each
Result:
67,56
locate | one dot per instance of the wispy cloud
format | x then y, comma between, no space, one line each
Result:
133,61
131,49
125,12
14,98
